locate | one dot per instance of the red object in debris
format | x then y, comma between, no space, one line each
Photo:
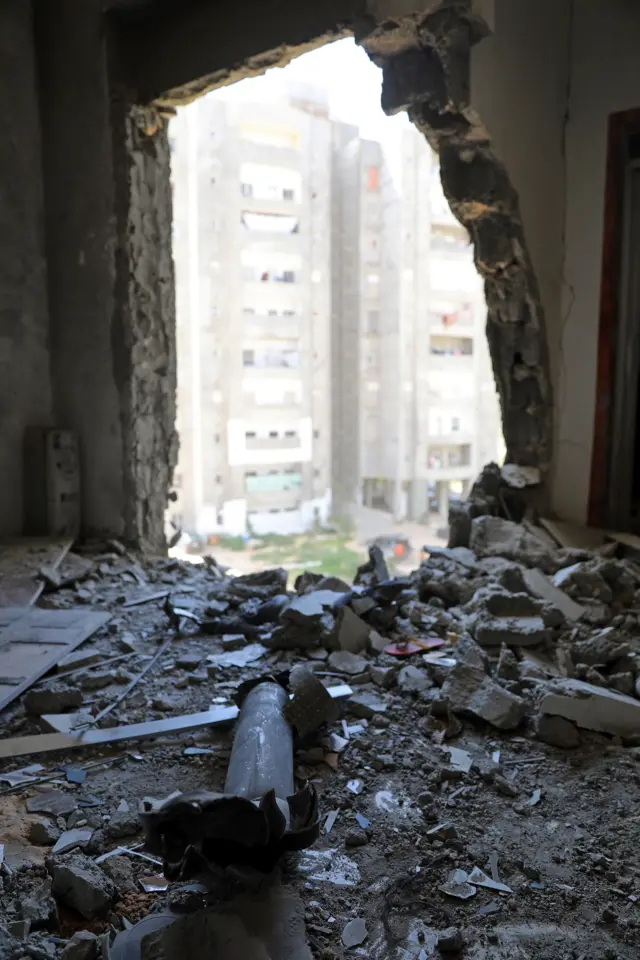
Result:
399,550
408,647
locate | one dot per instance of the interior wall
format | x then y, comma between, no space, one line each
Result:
25,389
605,78
81,247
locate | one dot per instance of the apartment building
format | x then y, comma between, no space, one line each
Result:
408,315
252,222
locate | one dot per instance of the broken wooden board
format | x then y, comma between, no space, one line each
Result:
629,540
50,742
20,561
572,535
542,587
33,641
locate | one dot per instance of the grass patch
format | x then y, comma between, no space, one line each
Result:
232,543
328,555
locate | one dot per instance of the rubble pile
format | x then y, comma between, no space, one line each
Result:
464,742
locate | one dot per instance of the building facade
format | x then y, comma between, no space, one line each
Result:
424,414
302,255
252,192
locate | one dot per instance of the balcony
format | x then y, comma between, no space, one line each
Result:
262,326
451,363
277,442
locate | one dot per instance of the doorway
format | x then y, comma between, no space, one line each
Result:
615,475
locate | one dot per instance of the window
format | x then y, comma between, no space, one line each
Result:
248,311
290,433
274,434
217,438
289,313
288,194
373,178
373,278
247,189
248,358
272,313
250,435
288,276
455,424
316,434
218,479
373,320
269,222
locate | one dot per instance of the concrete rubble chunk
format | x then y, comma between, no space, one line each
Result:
10,948
469,689
601,648
414,680
592,708
80,883
542,587
83,945
310,607
39,907
556,731
43,833
53,699
494,537
352,632
582,580
366,705
349,663
120,870
515,631
507,667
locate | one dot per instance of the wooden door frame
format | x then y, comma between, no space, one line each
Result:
621,126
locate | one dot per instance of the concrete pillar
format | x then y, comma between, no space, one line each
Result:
418,500
25,389
110,273
443,499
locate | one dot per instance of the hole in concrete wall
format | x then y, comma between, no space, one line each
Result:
369,402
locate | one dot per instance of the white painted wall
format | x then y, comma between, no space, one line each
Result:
544,86
605,78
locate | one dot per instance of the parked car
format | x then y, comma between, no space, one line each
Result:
394,546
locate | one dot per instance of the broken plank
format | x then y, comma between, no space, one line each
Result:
572,535
51,742
542,587
33,641
629,540
162,595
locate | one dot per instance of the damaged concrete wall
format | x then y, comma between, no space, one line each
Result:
523,108
25,390
426,69
108,219
144,325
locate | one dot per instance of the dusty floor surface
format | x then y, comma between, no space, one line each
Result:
558,829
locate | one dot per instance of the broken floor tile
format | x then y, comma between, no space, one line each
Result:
53,802
71,839
354,933
237,658
366,705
